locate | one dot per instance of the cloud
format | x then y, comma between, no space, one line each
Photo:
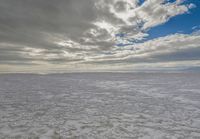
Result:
172,48
87,32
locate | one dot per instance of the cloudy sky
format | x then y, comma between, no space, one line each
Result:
99,35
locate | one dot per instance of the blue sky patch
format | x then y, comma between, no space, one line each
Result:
184,23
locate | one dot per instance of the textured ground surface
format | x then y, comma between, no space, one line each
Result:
100,106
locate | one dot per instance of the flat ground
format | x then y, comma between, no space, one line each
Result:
100,106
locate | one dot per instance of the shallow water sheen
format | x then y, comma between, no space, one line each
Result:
100,106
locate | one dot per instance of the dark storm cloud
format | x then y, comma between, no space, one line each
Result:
25,20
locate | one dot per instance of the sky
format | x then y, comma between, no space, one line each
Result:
99,35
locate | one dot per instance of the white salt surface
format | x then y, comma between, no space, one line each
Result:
100,106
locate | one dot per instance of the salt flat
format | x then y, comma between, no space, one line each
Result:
100,106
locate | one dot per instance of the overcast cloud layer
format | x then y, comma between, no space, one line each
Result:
80,35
